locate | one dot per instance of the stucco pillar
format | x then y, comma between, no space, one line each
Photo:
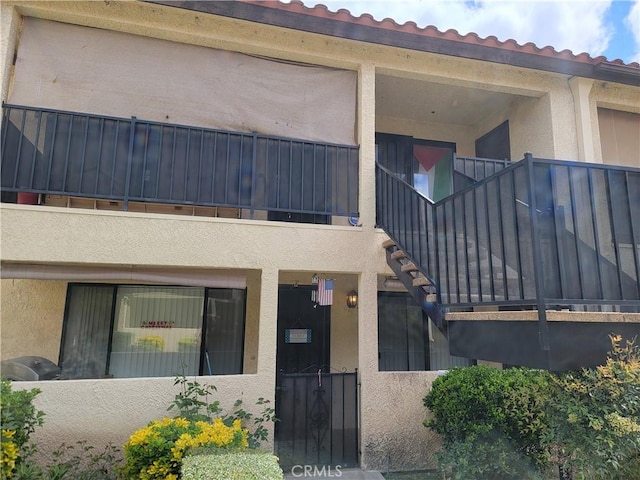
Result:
367,356
268,329
366,139
580,89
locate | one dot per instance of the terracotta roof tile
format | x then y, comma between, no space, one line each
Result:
472,38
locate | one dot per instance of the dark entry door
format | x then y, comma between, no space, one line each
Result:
303,332
317,409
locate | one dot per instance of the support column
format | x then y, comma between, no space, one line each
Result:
580,89
366,139
267,339
367,358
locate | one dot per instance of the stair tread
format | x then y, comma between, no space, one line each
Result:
409,267
388,243
421,281
398,255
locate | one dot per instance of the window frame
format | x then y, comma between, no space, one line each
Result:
204,326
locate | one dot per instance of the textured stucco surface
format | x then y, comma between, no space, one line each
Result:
31,318
396,438
541,119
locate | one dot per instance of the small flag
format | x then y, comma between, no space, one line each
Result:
325,292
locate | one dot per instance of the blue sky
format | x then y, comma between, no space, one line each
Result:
598,27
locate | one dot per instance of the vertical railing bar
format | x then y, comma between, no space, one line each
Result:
596,236
53,143
242,136
575,230
556,238
144,160
99,160
200,155
616,243
278,175
634,240
455,249
84,151
543,328
214,161
127,185
313,188
349,209
326,182
35,147
254,173
186,165
489,244
477,239
466,241
115,155
226,172
173,162
23,121
446,250
291,172
517,231
503,251
160,150
68,152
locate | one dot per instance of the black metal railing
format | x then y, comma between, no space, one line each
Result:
317,419
55,152
538,232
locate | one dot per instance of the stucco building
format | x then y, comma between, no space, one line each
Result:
197,187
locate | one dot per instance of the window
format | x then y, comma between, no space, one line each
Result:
124,331
402,334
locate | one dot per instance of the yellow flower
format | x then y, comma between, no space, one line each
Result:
8,454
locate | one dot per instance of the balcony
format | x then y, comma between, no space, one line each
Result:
79,159
552,246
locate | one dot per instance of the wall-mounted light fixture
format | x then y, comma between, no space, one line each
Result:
352,299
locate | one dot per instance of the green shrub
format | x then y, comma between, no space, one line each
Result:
595,417
157,450
491,422
236,466
19,420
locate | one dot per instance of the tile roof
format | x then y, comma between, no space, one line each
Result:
321,11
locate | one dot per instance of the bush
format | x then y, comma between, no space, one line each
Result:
236,466
19,420
156,451
491,422
595,417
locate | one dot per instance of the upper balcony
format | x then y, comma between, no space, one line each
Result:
91,161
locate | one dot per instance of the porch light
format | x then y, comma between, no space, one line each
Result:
352,299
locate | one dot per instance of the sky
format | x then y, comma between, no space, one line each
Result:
598,27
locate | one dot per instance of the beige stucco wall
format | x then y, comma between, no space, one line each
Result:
541,121
31,318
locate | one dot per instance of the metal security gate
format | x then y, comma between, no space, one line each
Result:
318,419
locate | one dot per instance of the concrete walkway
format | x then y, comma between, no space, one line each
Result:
333,472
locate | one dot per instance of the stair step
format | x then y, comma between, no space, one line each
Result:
432,298
421,281
398,255
388,243
409,267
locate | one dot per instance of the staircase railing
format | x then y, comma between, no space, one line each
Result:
538,232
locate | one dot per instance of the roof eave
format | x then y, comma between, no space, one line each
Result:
364,33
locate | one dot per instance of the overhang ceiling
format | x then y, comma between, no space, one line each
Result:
437,102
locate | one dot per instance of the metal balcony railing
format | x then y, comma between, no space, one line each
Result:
67,153
543,233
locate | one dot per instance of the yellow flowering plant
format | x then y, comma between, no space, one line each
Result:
8,453
156,451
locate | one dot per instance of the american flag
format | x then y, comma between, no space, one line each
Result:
325,292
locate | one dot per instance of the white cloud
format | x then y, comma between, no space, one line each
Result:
633,23
577,25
